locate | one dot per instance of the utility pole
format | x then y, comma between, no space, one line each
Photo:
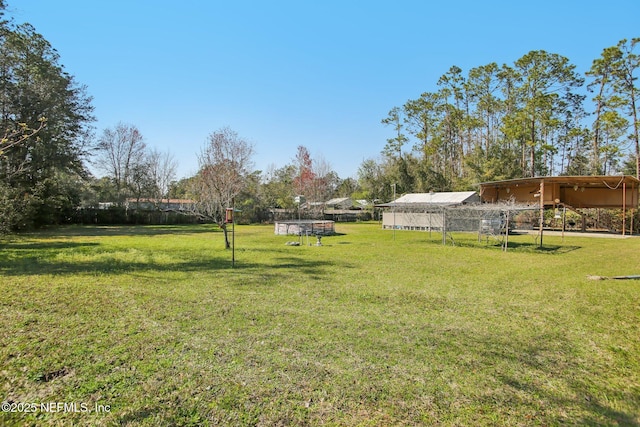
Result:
394,211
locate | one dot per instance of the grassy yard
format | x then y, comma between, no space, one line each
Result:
151,326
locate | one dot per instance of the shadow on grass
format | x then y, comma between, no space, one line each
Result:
130,230
532,367
45,246
520,247
587,403
70,258
546,249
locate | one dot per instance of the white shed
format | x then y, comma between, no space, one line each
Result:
422,211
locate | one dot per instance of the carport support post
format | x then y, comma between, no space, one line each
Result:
624,207
541,209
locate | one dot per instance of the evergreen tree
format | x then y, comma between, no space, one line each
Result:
45,121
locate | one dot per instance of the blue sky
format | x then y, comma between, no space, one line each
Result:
322,74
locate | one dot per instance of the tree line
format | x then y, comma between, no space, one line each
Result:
521,120
493,122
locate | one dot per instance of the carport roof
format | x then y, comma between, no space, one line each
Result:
595,181
599,191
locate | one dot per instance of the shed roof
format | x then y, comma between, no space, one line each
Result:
441,199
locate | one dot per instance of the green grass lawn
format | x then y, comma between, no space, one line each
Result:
152,326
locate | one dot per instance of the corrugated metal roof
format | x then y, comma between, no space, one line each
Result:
451,197
338,201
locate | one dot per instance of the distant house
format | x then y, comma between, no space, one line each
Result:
339,203
422,211
343,209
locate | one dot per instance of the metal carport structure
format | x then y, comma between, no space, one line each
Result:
572,192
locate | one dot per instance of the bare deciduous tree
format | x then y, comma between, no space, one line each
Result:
121,152
161,171
224,164
325,182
